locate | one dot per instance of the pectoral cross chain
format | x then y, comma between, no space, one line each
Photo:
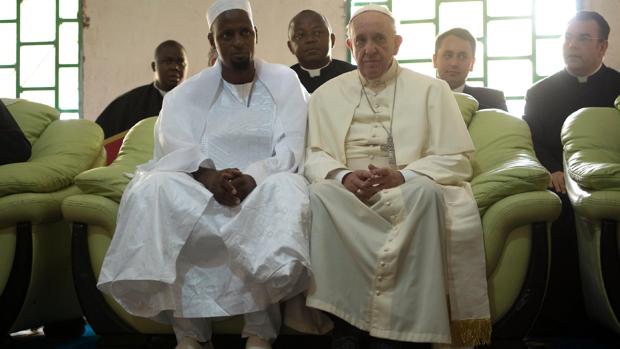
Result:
390,150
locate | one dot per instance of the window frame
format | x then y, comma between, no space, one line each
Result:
19,89
579,5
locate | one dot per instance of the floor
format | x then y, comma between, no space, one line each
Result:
89,340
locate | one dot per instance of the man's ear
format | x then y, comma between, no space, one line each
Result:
290,47
153,66
604,46
397,41
471,66
435,60
333,39
349,44
211,41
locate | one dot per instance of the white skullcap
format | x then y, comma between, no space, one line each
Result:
220,6
372,7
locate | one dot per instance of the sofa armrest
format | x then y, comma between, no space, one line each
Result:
92,210
36,208
513,212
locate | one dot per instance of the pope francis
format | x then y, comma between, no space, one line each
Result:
396,241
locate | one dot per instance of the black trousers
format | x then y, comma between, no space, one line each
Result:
563,312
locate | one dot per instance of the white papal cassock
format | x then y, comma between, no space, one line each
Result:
409,266
178,253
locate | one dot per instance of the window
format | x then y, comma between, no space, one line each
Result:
40,60
519,41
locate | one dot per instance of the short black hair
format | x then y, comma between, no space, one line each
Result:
308,12
165,44
459,33
603,26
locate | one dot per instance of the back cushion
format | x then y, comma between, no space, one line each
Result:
111,181
32,117
467,105
63,150
504,163
592,147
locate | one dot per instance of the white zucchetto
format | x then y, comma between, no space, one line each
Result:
220,6
372,7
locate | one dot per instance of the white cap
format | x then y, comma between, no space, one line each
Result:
372,7
220,6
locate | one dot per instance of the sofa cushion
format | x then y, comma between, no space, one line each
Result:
468,106
504,163
111,181
32,117
64,149
592,148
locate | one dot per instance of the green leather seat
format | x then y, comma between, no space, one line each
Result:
592,172
93,215
35,241
509,186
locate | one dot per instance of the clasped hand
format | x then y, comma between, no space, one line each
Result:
366,183
228,186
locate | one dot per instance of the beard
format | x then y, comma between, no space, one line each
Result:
241,64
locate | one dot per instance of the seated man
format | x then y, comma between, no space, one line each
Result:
310,39
396,241
216,224
13,143
454,58
584,82
169,68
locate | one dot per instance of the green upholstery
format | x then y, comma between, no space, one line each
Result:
468,106
505,163
32,118
31,222
592,148
509,186
110,181
592,171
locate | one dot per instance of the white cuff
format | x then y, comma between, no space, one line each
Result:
408,174
338,174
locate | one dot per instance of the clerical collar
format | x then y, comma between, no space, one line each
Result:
584,79
459,89
382,81
162,92
315,72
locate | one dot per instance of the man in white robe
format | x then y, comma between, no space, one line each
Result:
396,243
216,224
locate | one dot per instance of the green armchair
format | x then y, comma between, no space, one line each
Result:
35,262
592,173
92,213
509,186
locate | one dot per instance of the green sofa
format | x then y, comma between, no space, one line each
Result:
35,241
592,172
509,186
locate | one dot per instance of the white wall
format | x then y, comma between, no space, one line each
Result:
122,34
610,9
